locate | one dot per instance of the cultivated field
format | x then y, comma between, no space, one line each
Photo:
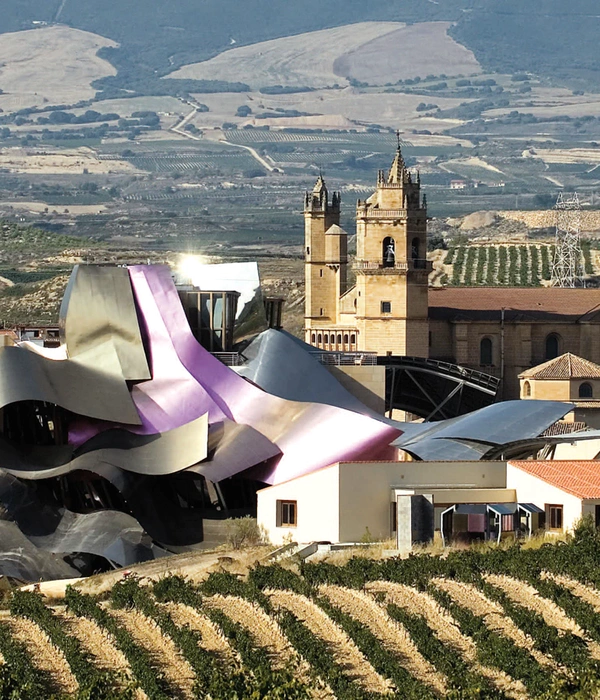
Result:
374,52
54,65
336,108
391,57
305,60
46,161
515,622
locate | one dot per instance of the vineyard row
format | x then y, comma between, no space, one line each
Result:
499,624
506,265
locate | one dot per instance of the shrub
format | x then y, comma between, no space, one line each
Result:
244,532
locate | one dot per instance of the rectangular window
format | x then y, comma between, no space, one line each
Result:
287,513
597,516
386,307
554,517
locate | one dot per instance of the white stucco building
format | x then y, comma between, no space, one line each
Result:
350,501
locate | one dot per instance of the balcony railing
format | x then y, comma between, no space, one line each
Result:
340,359
415,264
231,359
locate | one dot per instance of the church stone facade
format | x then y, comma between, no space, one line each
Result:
386,311
391,311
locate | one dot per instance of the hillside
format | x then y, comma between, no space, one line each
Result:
513,622
376,52
156,38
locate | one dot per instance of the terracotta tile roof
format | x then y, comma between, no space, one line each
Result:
567,366
581,479
533,303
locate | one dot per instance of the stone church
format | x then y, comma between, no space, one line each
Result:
391,310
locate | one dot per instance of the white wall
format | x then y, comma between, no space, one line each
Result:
339,503
530,489
366,489
317,497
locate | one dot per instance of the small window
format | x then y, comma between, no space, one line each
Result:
313,338
320,273
527,389
326,338
307,250
319,339
486,354
554,517
386,307
346,339
339,339
320,312
552,346
586,391
352,339
287,513
597,518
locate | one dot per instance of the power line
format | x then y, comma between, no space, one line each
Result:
567,268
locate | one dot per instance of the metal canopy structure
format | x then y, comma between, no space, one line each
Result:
435,390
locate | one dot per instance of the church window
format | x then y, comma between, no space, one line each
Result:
389,252
586,391
319,339
552,346
313,338
339,341
486,354
386,307
352,339
527,389
346,339
320,273
307,250
326,338
320,312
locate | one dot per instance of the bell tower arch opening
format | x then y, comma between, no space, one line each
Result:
389,252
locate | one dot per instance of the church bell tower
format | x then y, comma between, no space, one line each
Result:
391,265
326,258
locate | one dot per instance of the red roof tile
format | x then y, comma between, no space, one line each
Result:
581,478
535,303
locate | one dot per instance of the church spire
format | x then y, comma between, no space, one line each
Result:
398,166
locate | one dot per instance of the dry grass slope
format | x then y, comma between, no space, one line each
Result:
390,57
53,64
375,52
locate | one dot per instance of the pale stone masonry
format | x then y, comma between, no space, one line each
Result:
387,310
390,310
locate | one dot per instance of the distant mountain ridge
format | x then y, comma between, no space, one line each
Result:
547,37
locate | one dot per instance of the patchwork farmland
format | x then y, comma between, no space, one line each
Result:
500,623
